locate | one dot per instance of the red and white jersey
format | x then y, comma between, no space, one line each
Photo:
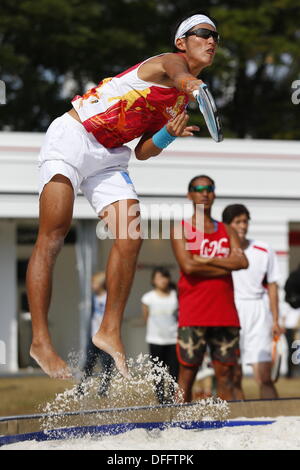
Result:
124,107
207,301
263,267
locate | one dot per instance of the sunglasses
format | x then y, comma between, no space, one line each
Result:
204,33
210,188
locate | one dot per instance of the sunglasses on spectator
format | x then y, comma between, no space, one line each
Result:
210,188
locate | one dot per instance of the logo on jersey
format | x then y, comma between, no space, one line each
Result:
213,248
173,111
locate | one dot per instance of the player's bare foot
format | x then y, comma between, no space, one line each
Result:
113,346
50,362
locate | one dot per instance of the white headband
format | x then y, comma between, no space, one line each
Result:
189,23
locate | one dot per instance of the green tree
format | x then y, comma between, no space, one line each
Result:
50,50
260,55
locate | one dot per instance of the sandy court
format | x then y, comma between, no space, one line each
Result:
138,393
284,434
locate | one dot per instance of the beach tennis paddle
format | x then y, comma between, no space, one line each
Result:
276,358
209,110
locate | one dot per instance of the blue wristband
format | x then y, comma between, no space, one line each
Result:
162,138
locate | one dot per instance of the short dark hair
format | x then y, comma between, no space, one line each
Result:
234,210
191,183
183,18
162,270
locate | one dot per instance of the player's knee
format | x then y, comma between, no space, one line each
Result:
52,242
129,246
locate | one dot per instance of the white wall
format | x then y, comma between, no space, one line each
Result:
241,168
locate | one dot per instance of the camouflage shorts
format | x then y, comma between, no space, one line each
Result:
223,344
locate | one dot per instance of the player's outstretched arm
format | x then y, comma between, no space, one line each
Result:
176,68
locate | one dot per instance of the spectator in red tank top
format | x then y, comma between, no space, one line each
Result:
207,313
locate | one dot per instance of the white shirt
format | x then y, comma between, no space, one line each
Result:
162,319
263,266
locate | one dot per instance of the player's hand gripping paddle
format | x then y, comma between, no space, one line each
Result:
209,110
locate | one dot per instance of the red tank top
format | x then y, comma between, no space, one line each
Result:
124,107
207,301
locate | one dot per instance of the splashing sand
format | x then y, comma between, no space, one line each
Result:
139,391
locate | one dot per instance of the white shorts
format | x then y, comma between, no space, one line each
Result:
256,331
100,173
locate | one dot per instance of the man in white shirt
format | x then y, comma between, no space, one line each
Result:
257,326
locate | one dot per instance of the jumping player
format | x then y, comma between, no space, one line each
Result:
84,149
257,325
207,313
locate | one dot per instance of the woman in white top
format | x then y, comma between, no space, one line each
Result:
160,313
